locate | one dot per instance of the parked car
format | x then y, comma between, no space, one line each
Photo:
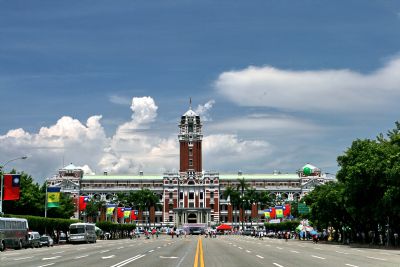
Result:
34,239
62,238
46,241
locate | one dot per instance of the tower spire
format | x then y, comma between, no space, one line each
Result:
190,102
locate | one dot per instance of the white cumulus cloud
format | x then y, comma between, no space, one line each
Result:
313,91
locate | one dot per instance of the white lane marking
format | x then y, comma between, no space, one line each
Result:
46,265
302,246
261,257
104,251
158,247
317,257
240,247
267,245
108,257
120,247
341,252
351,265
234,245
58,252
248,251
318,248
172,257
294,251
376,258
131,245
279,248
359,250
83,256
51,258
385,253
81,248
276,264
12,254
122,263
150,251
24,258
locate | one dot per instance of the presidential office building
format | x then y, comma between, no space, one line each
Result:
192,195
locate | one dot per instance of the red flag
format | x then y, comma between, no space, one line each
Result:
11,186
134,214
120,213
286,210
273,213
82,202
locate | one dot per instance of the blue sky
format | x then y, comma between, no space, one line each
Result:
279,83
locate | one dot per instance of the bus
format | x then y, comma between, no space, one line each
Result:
82,232
13,233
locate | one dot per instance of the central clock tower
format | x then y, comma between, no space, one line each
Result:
190,138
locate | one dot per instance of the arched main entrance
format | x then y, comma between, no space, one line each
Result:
192,218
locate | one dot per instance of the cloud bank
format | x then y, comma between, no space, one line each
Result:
342,91
132,148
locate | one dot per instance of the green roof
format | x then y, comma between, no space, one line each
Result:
121,177
270,176
222,176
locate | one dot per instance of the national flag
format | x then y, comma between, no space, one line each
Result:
279,211
110,209
11,186
134,214
273,213
83,200
120,212
267,213
127,213
53,197
286,210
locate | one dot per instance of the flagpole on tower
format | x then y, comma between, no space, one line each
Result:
2,180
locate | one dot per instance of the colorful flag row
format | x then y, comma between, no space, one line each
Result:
122,212
277,211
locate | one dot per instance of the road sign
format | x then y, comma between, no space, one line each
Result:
303,208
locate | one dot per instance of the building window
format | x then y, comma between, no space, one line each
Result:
201,195
211,195
191,205
170,218
190,162
191,195
170,206
180,195
190,152
181,204
171,195
212,206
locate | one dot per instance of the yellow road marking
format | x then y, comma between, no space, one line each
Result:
199,253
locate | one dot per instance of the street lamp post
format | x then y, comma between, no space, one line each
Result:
2,180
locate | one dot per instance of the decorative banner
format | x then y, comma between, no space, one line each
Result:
120,212
110,209
127,213
279,211
267,213
11,186
53,197
83,200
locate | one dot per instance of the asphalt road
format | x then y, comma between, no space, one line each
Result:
221,251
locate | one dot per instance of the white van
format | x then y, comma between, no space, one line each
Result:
82,232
